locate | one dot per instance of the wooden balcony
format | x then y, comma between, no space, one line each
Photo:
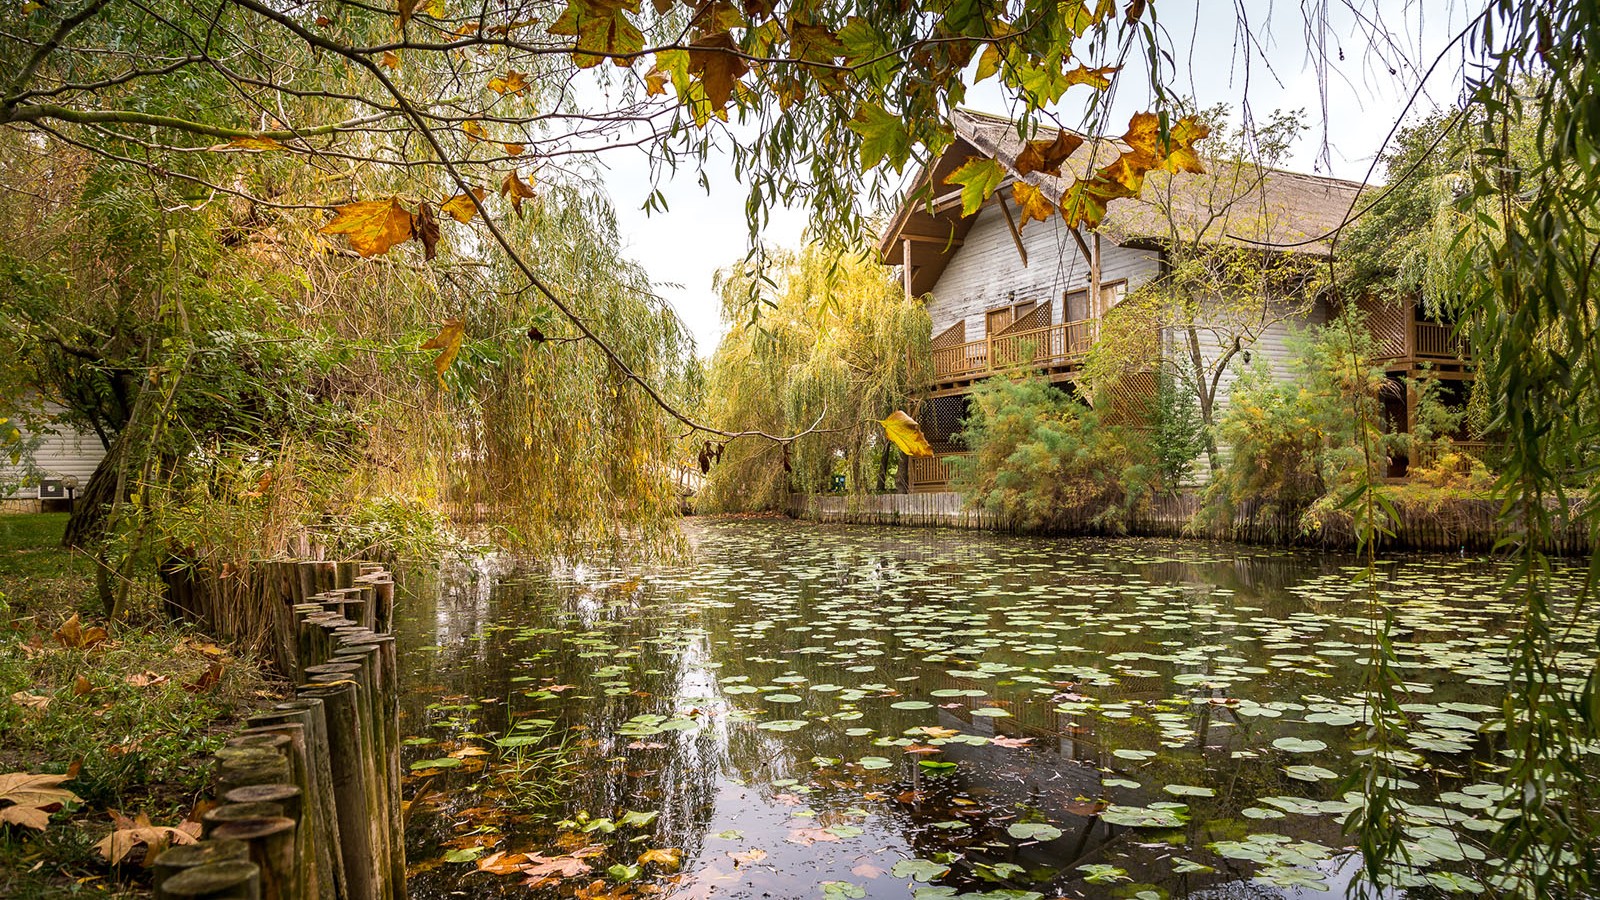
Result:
1050,347
1401,337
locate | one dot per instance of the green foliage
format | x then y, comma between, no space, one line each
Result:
1040,456
838,347
1312,437
1176,432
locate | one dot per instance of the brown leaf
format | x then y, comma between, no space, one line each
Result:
1099,78
81,686
655,82
426,230
28,700
1048,156
448,343
373,226
208,679
742,857
714,60
502,864
74,636
407,7
545,870
517,189
28,800
515,149
390,60
474,130
1012,743
128,834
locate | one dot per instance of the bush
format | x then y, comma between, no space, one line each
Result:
1042,459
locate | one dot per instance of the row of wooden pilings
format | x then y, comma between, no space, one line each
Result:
310,791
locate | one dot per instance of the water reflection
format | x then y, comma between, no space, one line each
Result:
810,711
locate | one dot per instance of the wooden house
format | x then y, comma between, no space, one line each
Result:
55,463
1005,295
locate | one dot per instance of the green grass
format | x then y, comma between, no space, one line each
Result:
121,712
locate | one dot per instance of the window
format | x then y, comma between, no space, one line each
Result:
1076,303
1001,317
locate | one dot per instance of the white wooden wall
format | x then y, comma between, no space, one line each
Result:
986,271
63,451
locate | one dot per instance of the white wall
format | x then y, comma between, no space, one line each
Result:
62,451
985,270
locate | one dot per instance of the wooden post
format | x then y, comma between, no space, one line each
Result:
188,856
905,265
230,880
349,786
308,713
384,675
272,849
218,816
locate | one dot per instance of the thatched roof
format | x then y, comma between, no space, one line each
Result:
1230,203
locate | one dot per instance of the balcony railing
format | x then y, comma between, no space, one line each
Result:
1400,337
931,473
1037,347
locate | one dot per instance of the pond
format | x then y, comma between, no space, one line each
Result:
839,712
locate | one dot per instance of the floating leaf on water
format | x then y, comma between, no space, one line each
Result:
1033,831
1299,745
919,870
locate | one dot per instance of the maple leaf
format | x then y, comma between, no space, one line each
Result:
740,858
669,858
373,226
474,130
714,59
545,870
128,833
1048,156
602,28
517,189
406,8
1032,203
655,81
461,208
389,60
146,678
1012,743
883,135
805,837
514,149
1181,155
978,177
448,343
502,864
27,700
28,800
513,82
1099,79
426,229
906,434
74,636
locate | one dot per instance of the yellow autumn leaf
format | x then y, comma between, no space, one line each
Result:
667,857
514,149
474,130
1032,202
373,226
906,434
512,82
248,145
448,343
390,60
461,208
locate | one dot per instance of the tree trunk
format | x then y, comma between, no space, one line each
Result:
86,527
1206,398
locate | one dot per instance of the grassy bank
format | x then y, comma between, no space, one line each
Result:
131,713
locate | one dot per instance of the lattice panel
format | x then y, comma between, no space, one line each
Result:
1038,318
941,418
954,336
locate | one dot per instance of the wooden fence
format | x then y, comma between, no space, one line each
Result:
310,790
1462,525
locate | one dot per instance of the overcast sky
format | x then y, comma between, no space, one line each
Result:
1267,66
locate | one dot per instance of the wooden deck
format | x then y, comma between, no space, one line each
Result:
1053,348
1405,342
931,474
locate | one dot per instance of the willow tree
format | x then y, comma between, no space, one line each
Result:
838,347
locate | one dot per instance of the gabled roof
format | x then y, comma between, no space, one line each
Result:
1229,204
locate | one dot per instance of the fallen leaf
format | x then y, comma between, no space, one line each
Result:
546,870
129,833
1010,742
668,858
73,635
208,679
503,864
28,800
30,701
81,686
742,857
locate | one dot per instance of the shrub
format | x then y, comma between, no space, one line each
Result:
1041,458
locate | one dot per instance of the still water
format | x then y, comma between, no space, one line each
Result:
836,712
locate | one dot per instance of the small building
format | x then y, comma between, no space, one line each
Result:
1008,295
55,462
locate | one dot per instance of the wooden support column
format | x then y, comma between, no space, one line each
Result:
905,265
